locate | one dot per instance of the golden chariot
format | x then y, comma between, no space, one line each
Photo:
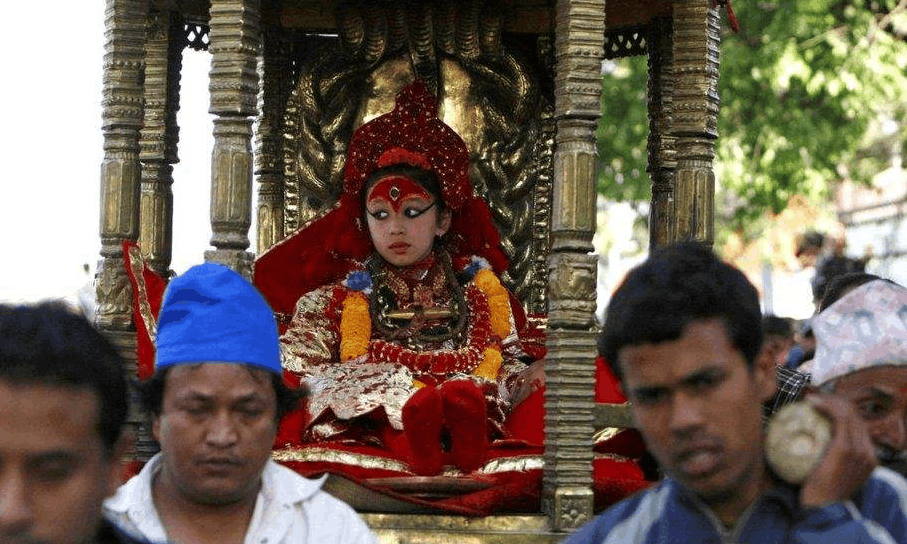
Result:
520,80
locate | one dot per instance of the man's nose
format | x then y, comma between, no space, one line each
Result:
686,413
896,431
222,430
16,513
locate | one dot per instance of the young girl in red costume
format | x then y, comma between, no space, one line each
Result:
400,325
415,356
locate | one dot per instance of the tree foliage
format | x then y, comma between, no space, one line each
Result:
812,92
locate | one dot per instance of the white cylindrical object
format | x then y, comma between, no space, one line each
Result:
796,439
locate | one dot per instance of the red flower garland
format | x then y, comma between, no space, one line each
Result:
399,155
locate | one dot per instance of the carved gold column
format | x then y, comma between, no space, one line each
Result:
234,47
163,53
121,120
120,170
569,399
661,161
695,118
275,91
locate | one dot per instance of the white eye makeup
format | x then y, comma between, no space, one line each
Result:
410,212
413,212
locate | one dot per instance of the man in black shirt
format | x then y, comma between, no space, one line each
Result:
63,404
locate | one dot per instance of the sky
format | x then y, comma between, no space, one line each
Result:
52,148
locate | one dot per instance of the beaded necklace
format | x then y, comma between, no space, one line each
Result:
483,308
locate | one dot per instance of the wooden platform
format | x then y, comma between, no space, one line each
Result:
437,529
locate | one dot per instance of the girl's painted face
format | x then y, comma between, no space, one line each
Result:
403,220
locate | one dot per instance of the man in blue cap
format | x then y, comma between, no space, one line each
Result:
216,398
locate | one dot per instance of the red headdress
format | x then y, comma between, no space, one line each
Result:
326,249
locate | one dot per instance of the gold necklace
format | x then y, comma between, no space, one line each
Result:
408,326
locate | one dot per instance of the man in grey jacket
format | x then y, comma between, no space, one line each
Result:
682,332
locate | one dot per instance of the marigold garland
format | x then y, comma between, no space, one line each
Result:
355,327
442,362
498,302
490,365
489,303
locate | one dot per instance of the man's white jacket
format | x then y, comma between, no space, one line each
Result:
289,509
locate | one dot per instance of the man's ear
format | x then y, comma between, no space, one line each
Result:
118,461
156,427
765,374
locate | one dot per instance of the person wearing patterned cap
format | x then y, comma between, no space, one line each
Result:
861,355
216,398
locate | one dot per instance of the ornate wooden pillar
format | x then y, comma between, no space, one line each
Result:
569,399
120,170
164,45
121,120
661,161
234,47
275,90
695,118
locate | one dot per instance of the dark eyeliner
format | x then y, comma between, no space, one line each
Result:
420,212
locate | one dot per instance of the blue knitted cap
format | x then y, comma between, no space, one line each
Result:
212,314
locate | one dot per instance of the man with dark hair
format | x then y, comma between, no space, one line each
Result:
216,399
804,346
778,337
683,334
63,404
